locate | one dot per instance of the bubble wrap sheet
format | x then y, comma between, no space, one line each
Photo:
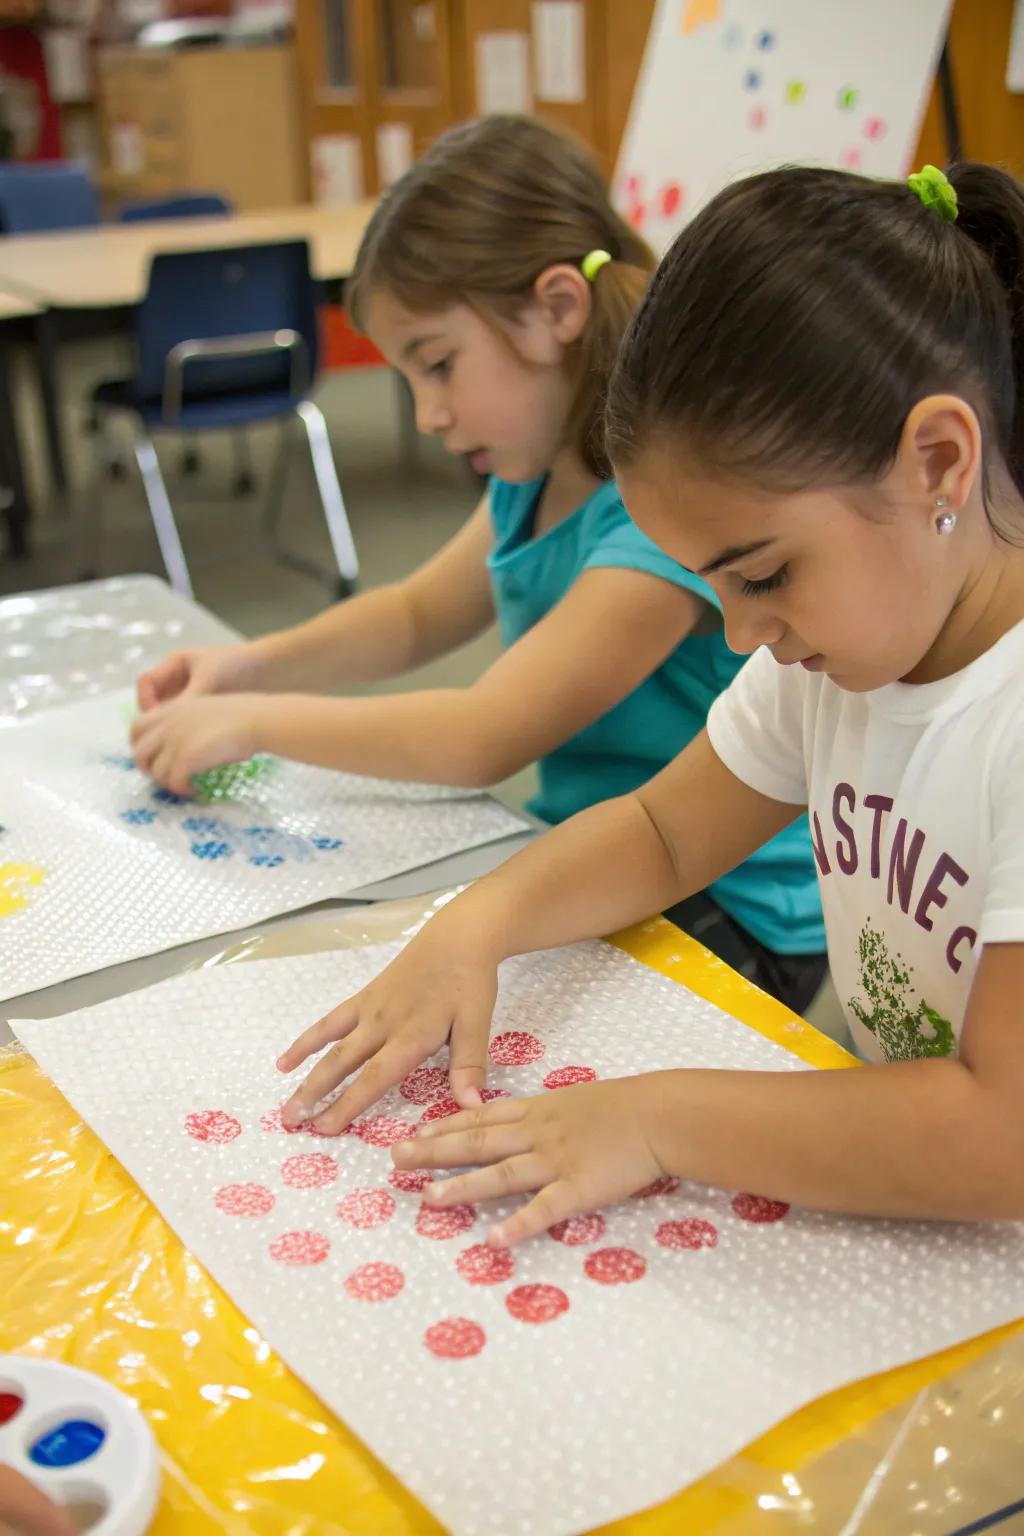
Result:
595,1370
98,865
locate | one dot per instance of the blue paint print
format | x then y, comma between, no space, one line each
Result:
140,816
327,844
752,80
119,760
168,797
266,860
212,850
766,41
204,824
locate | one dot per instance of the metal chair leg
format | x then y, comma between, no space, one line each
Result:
163,517
245,475
331,499
278,479
92,520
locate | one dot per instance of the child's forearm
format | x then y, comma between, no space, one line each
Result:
914,1139
369,637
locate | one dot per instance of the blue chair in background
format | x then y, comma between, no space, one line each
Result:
49,196
227,339
191,205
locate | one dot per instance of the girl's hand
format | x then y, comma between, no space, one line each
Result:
431,993
174,741
208,669
25,1509
580,1148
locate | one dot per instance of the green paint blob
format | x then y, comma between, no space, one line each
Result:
232,780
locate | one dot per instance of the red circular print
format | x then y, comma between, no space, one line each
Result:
384,1131
375,1282
309,1170
367,1207
671,199
213,1125
578,1230
759,1208
515,1048
244,1200
272,1121
441,1110
666,1185
410,1180
692,1232
481,1265
566,1077
424,1085
615,1266
537,1303
490,1094
432,1221
300,1248
455,1338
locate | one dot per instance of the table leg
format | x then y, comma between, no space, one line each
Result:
17,511
47,348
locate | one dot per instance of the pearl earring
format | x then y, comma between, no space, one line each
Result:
946,521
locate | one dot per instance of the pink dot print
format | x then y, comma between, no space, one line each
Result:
375,1282
568,1077
666,1185
300,1248
577,1231
614,1266
384,1131
481,1265
367,1208
244,1200
756,118
536,1303
455,1338
431,1221
424,1085
671,199
515,1048
875,128
636,216
214,1125
309,1170
441,1110
692,1232
411,1181
490,1094
851,158
758,1208
273,1122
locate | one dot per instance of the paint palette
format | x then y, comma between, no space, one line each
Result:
82,1442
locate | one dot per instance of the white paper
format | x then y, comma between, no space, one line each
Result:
99,866
718,1327
394,152
503,72
337,170
1015,56
67,64
558,50
726,89
126,152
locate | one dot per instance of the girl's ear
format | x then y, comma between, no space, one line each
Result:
564,296
941,451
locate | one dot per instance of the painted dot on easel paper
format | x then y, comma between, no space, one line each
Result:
442,1222
244,1200
375,1282
364,1208
455,1338
765,41
515,1048
481,1265
411,1181
577,1231
300,1248
671,199
851,158
691,1233
758,1208
425,1085
214,1125
309,1170
536,1303
752,80
666,1185
384,1130
875,128
732,36
615,1266
847,99
757,118
567,1077
796,90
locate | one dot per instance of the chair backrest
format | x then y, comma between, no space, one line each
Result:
52,195
237,291
191,205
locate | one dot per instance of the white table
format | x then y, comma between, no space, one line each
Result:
74,642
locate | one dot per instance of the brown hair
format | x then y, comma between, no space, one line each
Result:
486,210
794,324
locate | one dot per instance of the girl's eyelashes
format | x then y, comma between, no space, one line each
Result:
441,369
767,584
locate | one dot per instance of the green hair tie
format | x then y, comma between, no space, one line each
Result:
592,263
935,190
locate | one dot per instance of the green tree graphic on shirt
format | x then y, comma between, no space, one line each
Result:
905,1027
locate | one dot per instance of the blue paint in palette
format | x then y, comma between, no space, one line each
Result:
68,1445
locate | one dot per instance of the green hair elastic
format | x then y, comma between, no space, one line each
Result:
935,190
592,263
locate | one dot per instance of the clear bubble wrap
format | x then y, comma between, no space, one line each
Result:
597,1369
98,865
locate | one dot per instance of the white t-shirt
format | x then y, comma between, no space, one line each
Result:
916,802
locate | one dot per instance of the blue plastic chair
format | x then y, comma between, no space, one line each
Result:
191,205
226,339
50,195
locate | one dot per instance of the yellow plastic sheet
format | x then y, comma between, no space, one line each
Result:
91,1274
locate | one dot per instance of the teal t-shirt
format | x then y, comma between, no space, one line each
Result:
774,894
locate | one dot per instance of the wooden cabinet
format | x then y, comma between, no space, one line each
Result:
223,120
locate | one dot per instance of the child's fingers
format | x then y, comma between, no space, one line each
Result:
333,1026
467,1058
24,1508
381,1072
163,681
510,1166
333,1068
496,1113
554,1203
